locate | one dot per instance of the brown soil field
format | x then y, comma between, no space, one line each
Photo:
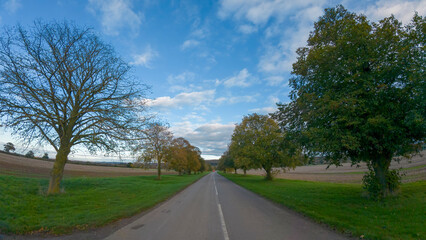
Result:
28,167
414,169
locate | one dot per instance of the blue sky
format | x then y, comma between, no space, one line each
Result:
208,63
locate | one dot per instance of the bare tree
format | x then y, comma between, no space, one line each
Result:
158,140
61,84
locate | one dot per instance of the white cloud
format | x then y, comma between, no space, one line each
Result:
264,110
145,58
402,9
189,44
182,99
115,15
274,80
247,29
239,80
211,138
238,99
12,5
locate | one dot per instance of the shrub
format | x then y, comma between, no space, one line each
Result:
45,156
29,154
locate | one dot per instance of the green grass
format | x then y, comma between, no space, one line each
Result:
86,203
343,207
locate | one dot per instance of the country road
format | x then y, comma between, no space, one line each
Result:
216,208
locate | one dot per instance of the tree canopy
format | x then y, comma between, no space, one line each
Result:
60,84
359,91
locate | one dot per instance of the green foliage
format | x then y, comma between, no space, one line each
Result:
87,202
258,142
342,206
226,161
182,157
9,147
45,156
374,188
29,154
358,90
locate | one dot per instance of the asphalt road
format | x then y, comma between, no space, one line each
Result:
216,208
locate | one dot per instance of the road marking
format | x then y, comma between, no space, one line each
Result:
222,220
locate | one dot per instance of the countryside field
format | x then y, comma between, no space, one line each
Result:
28,167
414,169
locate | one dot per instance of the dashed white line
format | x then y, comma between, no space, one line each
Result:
222,219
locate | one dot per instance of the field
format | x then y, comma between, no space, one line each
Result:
414,169
28,167
85,203
343,207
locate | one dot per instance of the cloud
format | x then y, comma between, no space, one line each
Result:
189,44
264,110
239,80
274,80
182,99
144,59
12,5
238,99
115,15
247,29
402,9
211,138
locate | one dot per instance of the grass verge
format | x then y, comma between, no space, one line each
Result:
343,207
86,203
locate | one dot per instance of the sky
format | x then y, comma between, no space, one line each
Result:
208,63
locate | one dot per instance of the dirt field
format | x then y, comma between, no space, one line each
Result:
414,170
21,166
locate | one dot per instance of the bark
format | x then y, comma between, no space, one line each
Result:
381,168
268,174
58,170
245,171
159,170
235,171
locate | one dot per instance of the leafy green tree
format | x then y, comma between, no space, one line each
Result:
155,145
226,161
183,157
259,138
62,85
45,156
29,154
9,147
359,92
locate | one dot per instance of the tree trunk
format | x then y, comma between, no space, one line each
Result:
58,170
235,171
245,171
159,170
268,174
381,168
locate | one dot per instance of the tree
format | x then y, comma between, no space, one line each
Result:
177,155
61,84
158,140
359,92
226,161
9,147
259,139
29,154
45,156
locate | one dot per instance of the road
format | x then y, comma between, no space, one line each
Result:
216,208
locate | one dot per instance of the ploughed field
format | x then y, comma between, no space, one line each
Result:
414,169
28,167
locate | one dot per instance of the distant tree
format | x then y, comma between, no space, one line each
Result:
259,139
29,154
359,93
193,159
155,146
203,164
62,85
45,156
226,161
9,147
177,155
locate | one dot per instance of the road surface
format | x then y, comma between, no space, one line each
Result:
216,208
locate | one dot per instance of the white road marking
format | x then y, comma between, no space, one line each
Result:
222,219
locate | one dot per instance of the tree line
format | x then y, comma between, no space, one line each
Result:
358,94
